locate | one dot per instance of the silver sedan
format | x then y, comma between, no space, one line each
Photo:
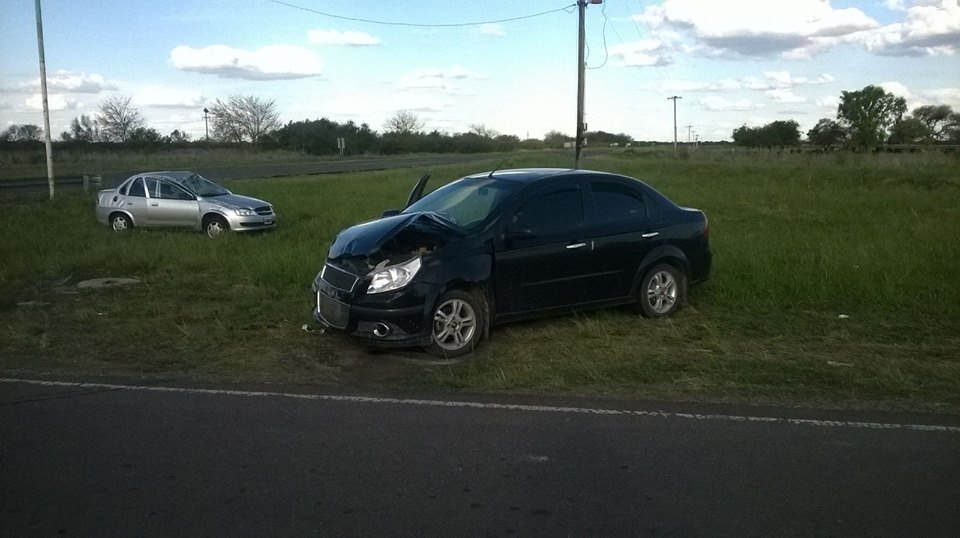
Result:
181,200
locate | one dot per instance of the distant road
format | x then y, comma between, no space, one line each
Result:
15,187
103,459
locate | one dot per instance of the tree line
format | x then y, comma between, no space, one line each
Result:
245,119
865,120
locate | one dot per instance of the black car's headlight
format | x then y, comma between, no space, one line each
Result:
393,277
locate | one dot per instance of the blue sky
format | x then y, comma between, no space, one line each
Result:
734,62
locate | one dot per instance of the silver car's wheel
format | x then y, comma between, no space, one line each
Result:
457,322
660,291
120,222
215,227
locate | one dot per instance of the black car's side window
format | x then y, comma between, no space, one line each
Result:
551,213
136,188
152,187
616,203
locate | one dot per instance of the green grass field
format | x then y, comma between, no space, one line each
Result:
835,284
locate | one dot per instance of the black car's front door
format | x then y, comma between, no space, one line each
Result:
543,259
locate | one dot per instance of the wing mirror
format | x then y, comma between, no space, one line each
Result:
390,213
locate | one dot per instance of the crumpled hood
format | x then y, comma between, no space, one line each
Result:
235,201
406,231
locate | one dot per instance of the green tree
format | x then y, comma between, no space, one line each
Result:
22,133
867,114
556,139
826,133
940,119
82,129
910,131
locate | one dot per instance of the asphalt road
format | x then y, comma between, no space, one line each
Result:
120,460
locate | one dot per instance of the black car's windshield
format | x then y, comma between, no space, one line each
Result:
466,202
202,186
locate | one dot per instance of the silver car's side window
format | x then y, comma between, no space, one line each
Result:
153,187
169,191
136,188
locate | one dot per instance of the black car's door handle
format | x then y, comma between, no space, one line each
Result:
576,246
154,204
648,235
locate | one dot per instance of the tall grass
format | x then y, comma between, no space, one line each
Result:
798,241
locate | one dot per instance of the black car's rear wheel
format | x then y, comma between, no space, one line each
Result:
660,292
120,222
457,324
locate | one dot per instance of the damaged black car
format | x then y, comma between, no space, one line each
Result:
509,245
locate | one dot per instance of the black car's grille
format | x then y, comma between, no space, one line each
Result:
338,278
335,313
264,210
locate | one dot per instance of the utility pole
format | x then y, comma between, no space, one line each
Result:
581,67
46,104
674,99
206,128
689,127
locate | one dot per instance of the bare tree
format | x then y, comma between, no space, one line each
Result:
82,129
118,118
404,122
483,131
244,117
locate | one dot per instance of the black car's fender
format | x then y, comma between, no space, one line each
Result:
664,254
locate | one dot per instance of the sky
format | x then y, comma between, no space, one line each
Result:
732,63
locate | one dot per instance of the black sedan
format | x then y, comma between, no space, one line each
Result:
509,245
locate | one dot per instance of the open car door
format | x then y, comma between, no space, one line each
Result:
417,192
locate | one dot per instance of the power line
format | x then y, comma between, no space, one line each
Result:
421,25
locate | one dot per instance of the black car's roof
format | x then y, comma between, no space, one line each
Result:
530,175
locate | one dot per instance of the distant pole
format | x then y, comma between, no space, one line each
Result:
206,128
689,129
581,64
674,99
46,104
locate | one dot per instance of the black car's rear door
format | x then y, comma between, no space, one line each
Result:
544,258
622,232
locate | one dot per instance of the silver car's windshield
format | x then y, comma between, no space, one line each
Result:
466,202
202,186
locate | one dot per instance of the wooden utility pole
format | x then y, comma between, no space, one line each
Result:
674,99
46,104
581,7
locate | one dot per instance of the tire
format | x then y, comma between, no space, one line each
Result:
456,324
120,223
661,291
214,227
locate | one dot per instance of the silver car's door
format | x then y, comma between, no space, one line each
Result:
170,205
135,203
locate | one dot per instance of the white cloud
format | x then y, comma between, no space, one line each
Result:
784,96
646,52
771,80
757,27
336,37
897,88
830,101
492,30
943,96
66,82
435,78
719,104
272,62
55,102
930,28
162,97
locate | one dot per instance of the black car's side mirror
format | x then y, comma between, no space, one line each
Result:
390,213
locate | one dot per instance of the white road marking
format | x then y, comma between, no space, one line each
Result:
500,406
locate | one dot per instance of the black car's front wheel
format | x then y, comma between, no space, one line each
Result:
661,291
457,324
